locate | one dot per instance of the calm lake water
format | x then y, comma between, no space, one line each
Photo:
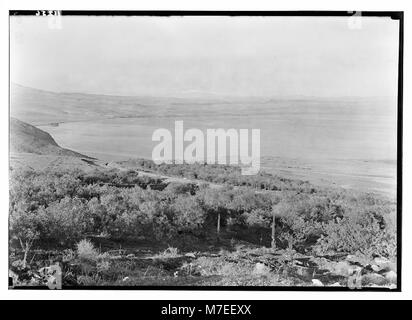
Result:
353,147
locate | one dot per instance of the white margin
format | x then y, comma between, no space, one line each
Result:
373,5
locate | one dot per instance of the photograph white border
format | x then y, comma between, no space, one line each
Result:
402,5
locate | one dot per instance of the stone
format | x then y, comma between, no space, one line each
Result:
260,268
336,284
317,283
355,280
391,276
385,264
381,261
376,268
355,270
343,268
358,259
190,255
374,279
305,273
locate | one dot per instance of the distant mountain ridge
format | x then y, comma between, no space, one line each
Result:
40,107
25,138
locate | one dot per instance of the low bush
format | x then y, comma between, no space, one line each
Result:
348,236
63,208
86,250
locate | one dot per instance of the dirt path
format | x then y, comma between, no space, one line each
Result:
167,179
174,179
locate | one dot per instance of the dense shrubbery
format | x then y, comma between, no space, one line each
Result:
367,228
58,207
224,174
122,179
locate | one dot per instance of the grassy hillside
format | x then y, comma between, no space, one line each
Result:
25,138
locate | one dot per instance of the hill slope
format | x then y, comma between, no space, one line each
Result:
25,138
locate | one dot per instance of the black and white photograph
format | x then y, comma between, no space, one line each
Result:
215,150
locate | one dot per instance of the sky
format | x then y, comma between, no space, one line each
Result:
207,56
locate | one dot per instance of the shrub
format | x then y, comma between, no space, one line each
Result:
188,214
65,221
294,230
64,207
176,188
86,250
258,218
350,236
159,219
25,226
170,252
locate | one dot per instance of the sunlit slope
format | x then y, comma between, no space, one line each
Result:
25,138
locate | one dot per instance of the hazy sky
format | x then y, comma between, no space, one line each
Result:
238,56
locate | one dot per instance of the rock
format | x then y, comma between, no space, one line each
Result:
343,268
391,276
381,261
376,268
355,270
14,276
190,255
305,273
317,283
261,269
385,264
51,281
336,284
125,278
44,271
358,259
374,279
355,280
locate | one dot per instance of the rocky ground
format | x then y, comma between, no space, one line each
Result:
244,266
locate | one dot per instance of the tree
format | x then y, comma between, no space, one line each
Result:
278,210
65,221
158,214
258,218
25,227
188,214
274,212
216,202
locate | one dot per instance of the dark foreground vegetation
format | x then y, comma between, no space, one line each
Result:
117,227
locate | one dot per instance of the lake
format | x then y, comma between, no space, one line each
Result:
351,143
